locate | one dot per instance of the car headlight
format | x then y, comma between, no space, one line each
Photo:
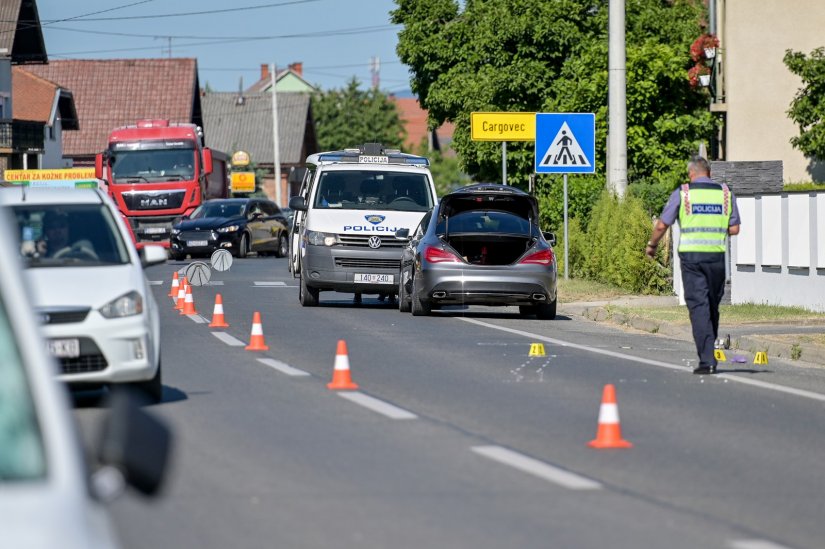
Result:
317,238
126,305
229,229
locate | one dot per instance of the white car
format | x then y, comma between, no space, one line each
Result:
48,498
89,288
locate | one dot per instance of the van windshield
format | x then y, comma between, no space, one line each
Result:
373,190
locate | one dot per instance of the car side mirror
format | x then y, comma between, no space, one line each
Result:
402,234
134,443
298,203
152,254
550,238
256,215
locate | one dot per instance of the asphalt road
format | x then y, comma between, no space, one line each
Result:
457,438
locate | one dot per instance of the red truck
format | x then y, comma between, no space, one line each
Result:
157,172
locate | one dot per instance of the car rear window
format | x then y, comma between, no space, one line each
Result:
485,221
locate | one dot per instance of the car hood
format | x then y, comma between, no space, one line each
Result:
522,204
83,286
208,223
363,221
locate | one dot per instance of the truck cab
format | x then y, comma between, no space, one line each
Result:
349,207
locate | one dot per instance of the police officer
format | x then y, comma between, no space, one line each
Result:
707,214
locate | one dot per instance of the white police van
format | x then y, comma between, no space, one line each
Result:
349,207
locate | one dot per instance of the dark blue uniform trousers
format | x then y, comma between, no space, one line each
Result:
704,284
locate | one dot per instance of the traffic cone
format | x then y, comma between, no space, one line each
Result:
181,295
609,434
173,291
341,380
188,303
256,340
218,320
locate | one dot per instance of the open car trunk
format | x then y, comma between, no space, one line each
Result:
486,249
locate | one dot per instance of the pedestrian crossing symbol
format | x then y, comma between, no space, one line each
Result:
565,143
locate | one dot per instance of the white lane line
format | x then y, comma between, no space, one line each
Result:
269,283
537,468
745,381
228,339
282,367
383,408
215,283
754,544
156,282
198,319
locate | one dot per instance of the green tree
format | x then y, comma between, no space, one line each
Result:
552,56
808,106
351,116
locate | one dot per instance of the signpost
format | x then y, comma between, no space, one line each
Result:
64,178
565,143
504,127
243,182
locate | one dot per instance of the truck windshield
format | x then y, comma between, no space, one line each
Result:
370,190
152,165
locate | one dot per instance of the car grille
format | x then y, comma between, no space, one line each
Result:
197,235
361,241
62,316
367,263
153,200
90,359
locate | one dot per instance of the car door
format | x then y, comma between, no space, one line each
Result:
255,225
272,224
297,226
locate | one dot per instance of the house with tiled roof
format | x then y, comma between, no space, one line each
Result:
21,42
115,92
415,122
290,79
234,122
46,103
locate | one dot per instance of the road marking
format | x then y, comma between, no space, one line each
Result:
745,381
754,544
228,339
269,283
198,319
215,283
537,468
156,282
383,408
282,367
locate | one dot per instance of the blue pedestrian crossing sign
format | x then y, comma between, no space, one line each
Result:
565,143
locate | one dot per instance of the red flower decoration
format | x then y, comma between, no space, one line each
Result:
705,41
697,70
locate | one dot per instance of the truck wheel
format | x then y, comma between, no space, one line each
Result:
306,295
283,246
418,307
243,247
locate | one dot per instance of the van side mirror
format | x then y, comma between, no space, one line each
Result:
298,203
402,234
550,238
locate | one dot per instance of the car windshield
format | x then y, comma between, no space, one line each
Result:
22,456
219,209
373,190
69,235
145,166
485,221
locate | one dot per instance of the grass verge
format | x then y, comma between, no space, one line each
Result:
576,289
749,313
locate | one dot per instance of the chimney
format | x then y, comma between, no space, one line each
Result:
264,71
297,68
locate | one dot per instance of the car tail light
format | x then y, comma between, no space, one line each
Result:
543,257
437,255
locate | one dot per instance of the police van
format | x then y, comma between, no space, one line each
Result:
350,205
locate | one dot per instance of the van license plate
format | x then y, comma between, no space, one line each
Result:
64,348
196,243
374,279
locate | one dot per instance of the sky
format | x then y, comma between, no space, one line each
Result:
334,39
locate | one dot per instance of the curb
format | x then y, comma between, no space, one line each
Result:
809,353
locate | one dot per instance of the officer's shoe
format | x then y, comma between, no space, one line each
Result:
704,369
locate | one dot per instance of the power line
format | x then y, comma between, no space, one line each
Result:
31,24
306,67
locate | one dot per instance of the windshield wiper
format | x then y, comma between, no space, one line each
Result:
173,177
131,179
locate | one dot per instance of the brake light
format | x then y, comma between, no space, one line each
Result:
437,255
543,257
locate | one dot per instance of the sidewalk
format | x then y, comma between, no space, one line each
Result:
778,339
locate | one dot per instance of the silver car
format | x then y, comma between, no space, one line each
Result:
481,245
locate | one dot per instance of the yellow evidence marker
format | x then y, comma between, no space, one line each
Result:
537,349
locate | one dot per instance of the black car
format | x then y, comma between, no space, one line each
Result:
239,225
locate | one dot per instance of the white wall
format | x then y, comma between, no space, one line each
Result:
52,156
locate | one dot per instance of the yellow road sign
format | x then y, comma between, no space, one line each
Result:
503,126
243,182
49,175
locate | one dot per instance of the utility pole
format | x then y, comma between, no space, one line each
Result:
617,82
375,70
276,148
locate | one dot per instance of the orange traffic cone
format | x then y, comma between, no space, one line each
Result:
181,294
188,303
173,291
609,434
341,380
218,320
256,340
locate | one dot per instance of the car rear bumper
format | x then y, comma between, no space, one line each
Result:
487,286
